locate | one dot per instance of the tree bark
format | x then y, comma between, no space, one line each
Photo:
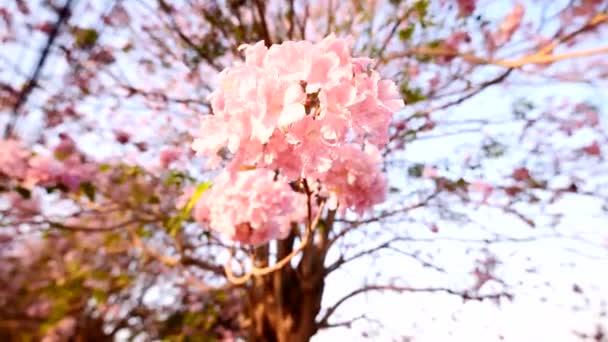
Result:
283,306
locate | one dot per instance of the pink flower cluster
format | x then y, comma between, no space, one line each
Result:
29,170
307,111
13,158
252,207
466,7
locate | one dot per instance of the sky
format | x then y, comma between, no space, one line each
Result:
562,262
545,307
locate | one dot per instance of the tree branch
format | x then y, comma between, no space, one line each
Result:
167,10
260,6
62,16
401,289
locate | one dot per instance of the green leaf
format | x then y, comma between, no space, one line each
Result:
143,232
85,38
105,167
99,275
175,178
127,47
435,43
411,95
89,190
410,135
521,107
494,149
154,199
100,296
175,223
406,34
422,8
133,170
461,183
122,280
112,238
415,170
200,189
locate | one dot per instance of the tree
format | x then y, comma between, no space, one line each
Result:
97,169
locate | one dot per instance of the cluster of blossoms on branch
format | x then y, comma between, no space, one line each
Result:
28,169
293,112
252,207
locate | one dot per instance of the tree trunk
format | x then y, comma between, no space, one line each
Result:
284,305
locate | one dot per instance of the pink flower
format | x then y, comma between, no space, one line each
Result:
251,208
168,156
293,106
74,172
310,95
23,207
42,171
254,54
510,24
303,109
466,7
452,43
430,172
13,158
355,178
593,149
484,188
291,60
521,174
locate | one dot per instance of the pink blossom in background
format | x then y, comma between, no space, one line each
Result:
482,187
74,172
304,109
61,330
521,174
593,149
23,207
453,42
31,170
510,24
42,170
39,309
13,158
168,156
430,172
413,70
251,207
590,114
466,7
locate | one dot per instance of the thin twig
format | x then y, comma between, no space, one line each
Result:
62,17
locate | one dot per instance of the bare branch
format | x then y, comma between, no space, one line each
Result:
62,16
466,295
167,10
261,7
